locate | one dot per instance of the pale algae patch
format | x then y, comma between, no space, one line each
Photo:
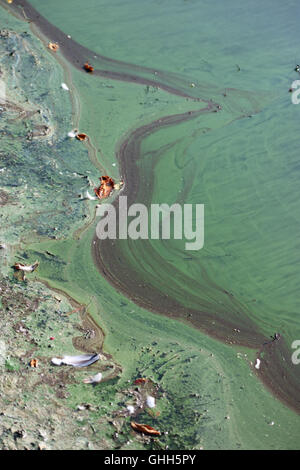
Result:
41,181
39,190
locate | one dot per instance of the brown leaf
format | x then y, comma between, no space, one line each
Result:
145,429
88,67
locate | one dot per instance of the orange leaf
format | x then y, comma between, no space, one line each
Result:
88,67
142,380
145,429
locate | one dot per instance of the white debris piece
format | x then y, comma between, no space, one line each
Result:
257,365
150,401
76,361
23,267
130,408
65,86
72,134
91,198
93,380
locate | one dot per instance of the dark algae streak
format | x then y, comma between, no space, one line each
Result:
226,319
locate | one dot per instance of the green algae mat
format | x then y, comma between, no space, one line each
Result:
189,102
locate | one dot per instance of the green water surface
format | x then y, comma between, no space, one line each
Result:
245,171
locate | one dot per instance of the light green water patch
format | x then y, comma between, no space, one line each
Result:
111,109
201,39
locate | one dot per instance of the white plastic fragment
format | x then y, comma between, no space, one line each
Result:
130,408
29,269
150,401
93,380
76,361
72,134
257,365
65,86
91,198
56,361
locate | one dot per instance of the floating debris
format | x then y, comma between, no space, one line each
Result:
76,361
93,380
34,363
49,252
91,198
89,68
72,134
85,406
119,185
106,187
65,86
3,246
23,267
142,380
53,46
81,137
130,409
145,429
150,401
257,365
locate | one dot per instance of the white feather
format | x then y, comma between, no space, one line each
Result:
76,361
